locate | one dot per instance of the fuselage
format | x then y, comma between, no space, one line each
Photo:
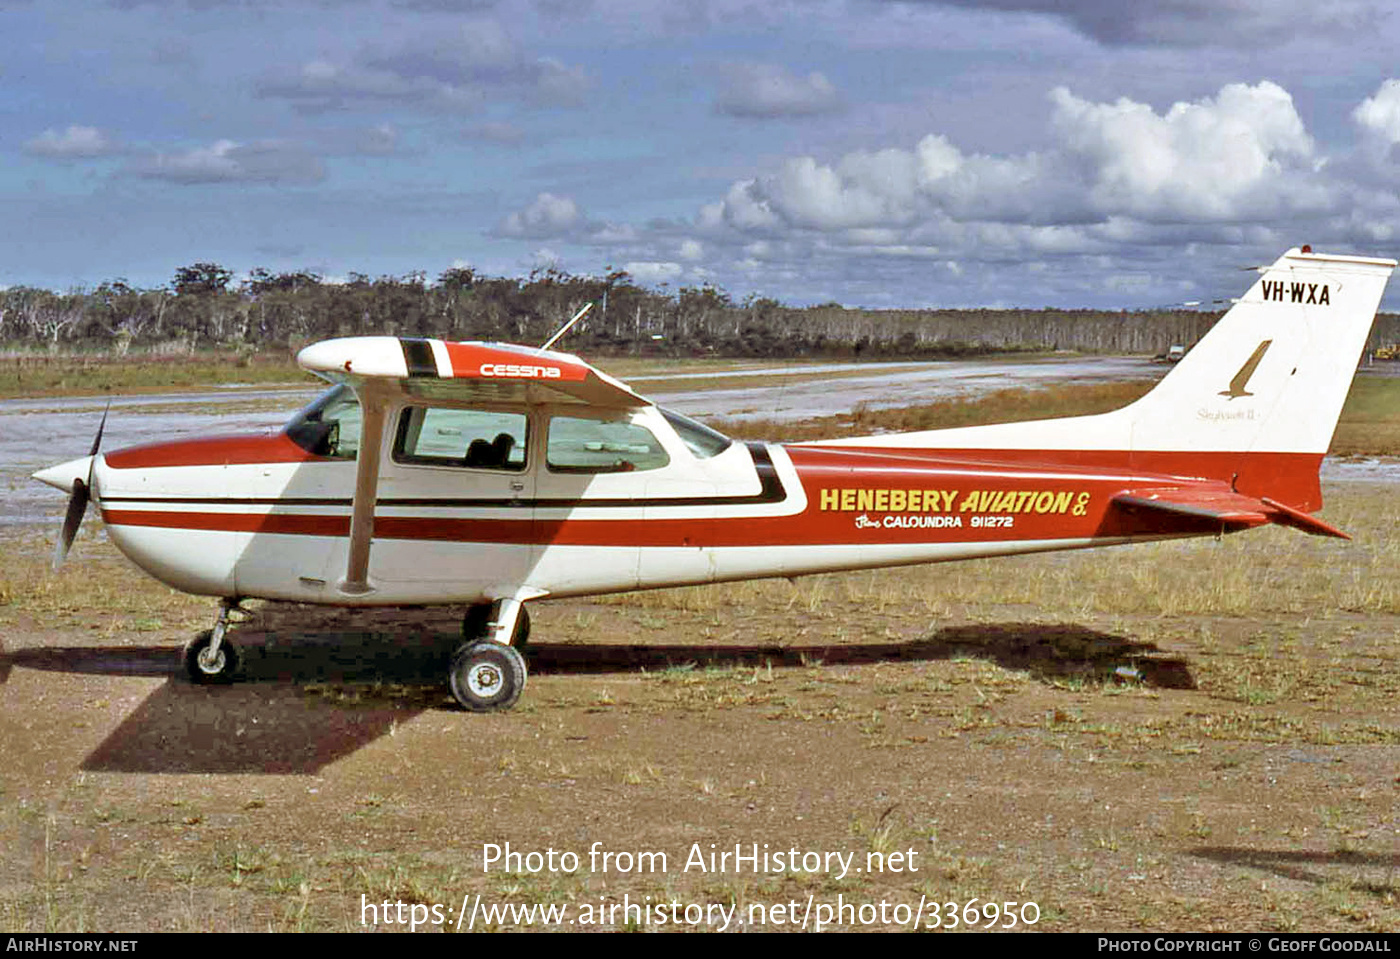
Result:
591,503
459,472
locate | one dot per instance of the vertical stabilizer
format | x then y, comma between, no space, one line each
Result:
1272,374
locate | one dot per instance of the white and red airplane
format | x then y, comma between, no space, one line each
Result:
489,475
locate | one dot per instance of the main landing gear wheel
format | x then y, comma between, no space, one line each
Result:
207,670
486,676
478,620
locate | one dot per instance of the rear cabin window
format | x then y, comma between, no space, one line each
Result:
474,439
579,445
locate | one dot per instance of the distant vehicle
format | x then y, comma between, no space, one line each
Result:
491,476
1175,354
1391,352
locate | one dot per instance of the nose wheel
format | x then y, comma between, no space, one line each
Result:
207,665
210,659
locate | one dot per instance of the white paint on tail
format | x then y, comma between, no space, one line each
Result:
1270,376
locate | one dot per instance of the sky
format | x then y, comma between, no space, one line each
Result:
877,153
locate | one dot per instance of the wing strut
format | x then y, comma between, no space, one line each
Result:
373,408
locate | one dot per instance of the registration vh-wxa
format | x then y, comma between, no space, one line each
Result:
492,476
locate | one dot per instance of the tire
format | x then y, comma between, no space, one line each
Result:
218,673
478,618
486,676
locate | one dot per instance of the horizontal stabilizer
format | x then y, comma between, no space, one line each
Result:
1288,516
1188,510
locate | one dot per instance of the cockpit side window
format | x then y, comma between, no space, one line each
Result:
449,436
330,426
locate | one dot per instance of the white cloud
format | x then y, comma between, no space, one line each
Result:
742,208
321,86
653,272
1232,23
1226,157
226,161
1241,156
613,233
547,215
381,140
506,134
550,83
455,70
765,91
810,194
446,6
74,143
1119,187
1379,115
478,50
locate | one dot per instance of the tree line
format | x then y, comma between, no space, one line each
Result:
203,308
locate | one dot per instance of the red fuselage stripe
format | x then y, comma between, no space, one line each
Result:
811,528
855,496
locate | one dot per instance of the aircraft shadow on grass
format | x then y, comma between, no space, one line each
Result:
1314,868
309,697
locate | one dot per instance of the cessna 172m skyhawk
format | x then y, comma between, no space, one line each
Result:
491,475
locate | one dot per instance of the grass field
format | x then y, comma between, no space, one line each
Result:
1370,423
34,375
1189,735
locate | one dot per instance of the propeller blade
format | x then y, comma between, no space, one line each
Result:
78,501
77,506
97,440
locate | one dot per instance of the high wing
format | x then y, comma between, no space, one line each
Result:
471,372
378,368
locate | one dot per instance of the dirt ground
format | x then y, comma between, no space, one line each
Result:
1183,736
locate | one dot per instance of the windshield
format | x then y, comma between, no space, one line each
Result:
697,437
330,426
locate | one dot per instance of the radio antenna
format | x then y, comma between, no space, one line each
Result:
566,327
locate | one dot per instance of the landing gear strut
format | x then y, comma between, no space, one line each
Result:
211,659
477,623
